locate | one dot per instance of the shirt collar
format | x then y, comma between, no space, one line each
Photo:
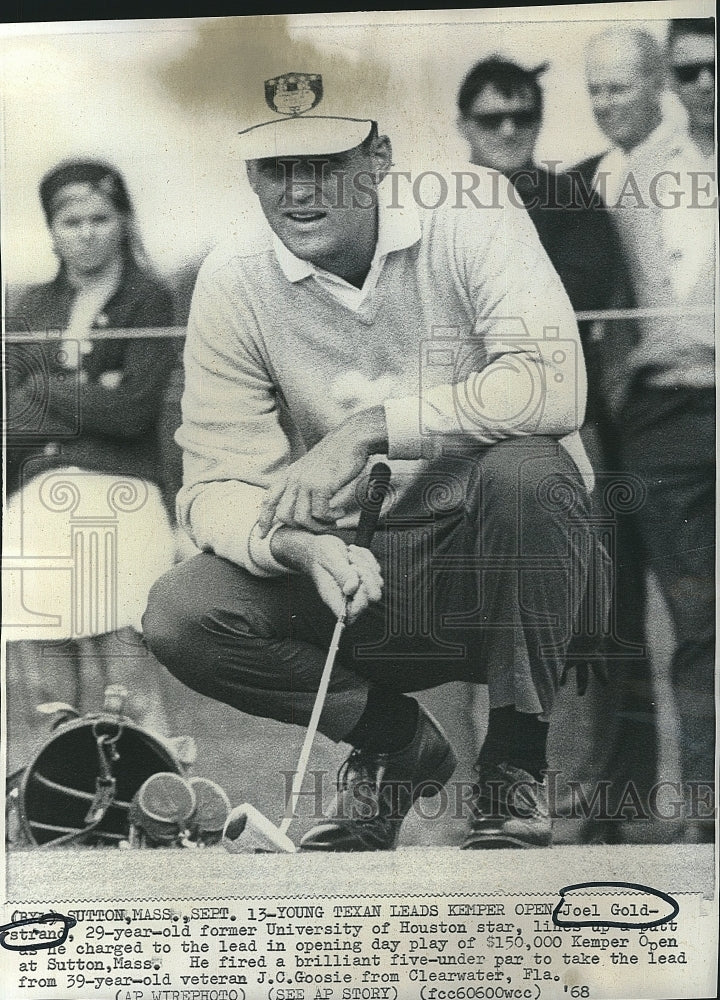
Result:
398,229
292,267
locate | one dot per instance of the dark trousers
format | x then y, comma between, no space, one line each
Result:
485,559
620,723
669,442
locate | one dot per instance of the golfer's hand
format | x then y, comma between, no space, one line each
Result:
340,572
301,496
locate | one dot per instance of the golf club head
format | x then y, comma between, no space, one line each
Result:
247,831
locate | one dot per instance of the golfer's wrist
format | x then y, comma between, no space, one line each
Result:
261,553
292,547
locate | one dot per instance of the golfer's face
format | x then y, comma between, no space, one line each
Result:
318,206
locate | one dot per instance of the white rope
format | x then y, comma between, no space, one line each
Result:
130,333
644,313
125,333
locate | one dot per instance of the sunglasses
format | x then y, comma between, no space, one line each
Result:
493,120
690,72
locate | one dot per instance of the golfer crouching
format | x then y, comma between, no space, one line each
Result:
439,338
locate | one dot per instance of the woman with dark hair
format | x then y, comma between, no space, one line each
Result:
82,437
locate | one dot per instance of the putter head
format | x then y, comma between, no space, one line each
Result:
247,831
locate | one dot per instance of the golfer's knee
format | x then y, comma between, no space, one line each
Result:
523,471
503,484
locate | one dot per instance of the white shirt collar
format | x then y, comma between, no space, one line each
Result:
398,229
661,133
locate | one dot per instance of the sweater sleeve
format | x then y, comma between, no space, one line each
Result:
231,434
520,370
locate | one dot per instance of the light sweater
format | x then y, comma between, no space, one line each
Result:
462,328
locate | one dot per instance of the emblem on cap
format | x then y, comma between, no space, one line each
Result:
294,93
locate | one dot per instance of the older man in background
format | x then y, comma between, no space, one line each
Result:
625,72
659,184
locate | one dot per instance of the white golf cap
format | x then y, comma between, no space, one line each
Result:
297,133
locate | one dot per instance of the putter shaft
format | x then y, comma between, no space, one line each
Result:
299,776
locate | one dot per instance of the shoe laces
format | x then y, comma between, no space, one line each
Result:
360,765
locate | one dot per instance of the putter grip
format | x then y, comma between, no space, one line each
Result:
376,492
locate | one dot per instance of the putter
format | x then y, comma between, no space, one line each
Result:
247,829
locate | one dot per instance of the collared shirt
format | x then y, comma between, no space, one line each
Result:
688,186
667,175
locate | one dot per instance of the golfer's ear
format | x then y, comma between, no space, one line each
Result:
251,171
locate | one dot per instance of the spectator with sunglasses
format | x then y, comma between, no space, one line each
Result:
500,113
500,110
670,439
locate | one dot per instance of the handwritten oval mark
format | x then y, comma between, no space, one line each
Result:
44,918
603,909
